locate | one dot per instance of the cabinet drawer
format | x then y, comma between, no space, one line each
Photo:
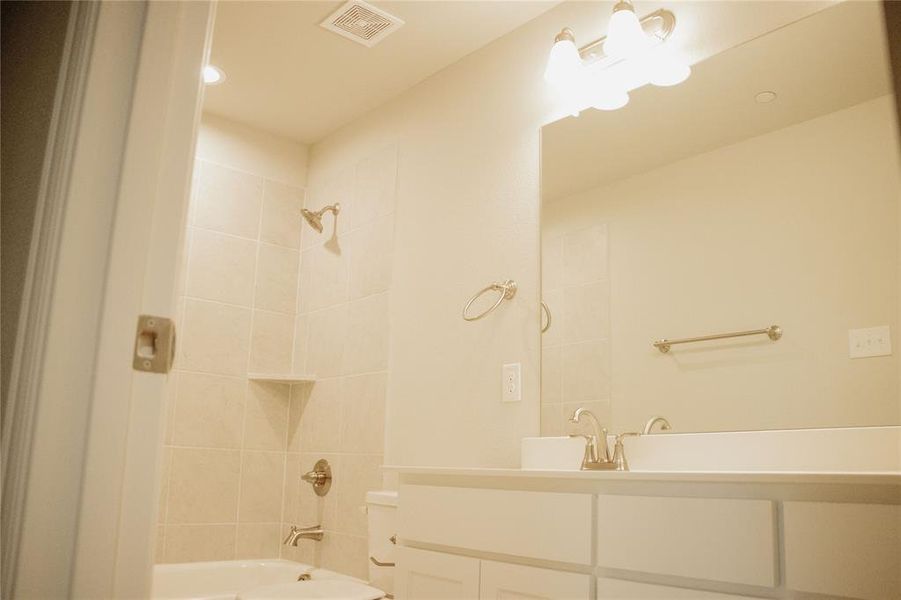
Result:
843,549
545,525
617,589
703,538
502,581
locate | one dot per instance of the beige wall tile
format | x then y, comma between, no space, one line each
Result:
171,392
262,475
203,486
318,419
552,375
326,345
323,276
216,338
209,411
258,540
363,413
188,543
367,326
552,419
551,262
299,397
585,256
228,201
276,285
292,488
586,368
221,267
301,335
371,250
375,184
586,312
272,342
281,221
266,416
344,553
360,473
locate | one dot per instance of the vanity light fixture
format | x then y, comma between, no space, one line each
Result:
213,75
601,73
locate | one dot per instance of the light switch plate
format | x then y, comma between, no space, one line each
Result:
873,341
512,383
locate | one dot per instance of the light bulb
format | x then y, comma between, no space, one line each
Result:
665,71
564,64
625,37
213,75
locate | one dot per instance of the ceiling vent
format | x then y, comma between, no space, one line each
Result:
362,23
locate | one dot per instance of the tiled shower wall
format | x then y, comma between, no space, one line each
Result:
264,293
225,441
343,338
575,349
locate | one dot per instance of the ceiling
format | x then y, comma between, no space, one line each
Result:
830,60
287,75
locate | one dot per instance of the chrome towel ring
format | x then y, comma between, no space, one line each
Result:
507,290
547,311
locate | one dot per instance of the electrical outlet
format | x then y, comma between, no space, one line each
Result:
873,341
510,375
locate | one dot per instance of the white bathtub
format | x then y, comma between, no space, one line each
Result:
225,580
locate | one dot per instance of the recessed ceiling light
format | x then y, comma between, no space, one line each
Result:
765,97
213,75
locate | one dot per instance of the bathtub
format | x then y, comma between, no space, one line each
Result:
226,580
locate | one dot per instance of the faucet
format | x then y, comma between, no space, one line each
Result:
597,455
304,533
664,425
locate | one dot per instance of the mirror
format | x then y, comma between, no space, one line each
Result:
763,191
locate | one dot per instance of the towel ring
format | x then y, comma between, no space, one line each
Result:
547,311
507,290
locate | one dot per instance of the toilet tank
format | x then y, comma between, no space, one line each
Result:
381,509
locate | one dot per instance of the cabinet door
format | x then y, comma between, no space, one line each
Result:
424,575
502,581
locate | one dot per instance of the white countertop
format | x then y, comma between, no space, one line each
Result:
889,478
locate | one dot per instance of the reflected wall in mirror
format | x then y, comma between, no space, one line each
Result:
764,190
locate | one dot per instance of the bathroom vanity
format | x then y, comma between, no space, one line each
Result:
493,533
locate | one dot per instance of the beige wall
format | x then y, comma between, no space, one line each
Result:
226,437
798,227
467,214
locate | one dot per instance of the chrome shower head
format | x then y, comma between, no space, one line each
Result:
314,218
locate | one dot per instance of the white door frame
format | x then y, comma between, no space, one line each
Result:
81,437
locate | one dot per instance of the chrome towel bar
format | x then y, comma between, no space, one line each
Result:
774,332
507,290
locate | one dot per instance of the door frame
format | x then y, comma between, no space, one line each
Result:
82,431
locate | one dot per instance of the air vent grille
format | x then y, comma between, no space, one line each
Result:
362,23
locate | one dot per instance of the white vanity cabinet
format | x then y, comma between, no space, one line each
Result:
505,534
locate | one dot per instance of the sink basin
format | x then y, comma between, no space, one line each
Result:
552,453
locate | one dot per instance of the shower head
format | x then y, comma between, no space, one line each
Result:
314,218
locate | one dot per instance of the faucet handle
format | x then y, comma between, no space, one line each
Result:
619,450
591,451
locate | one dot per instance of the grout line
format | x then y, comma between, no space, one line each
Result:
242,238
257,175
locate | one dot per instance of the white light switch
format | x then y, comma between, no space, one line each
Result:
873,341
511,382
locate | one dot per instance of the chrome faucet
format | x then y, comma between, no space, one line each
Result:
304,533
597,455
664,425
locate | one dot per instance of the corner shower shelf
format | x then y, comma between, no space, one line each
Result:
277,378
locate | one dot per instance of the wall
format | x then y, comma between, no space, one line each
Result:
33,35
467,214
226,438
343,339
797,227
